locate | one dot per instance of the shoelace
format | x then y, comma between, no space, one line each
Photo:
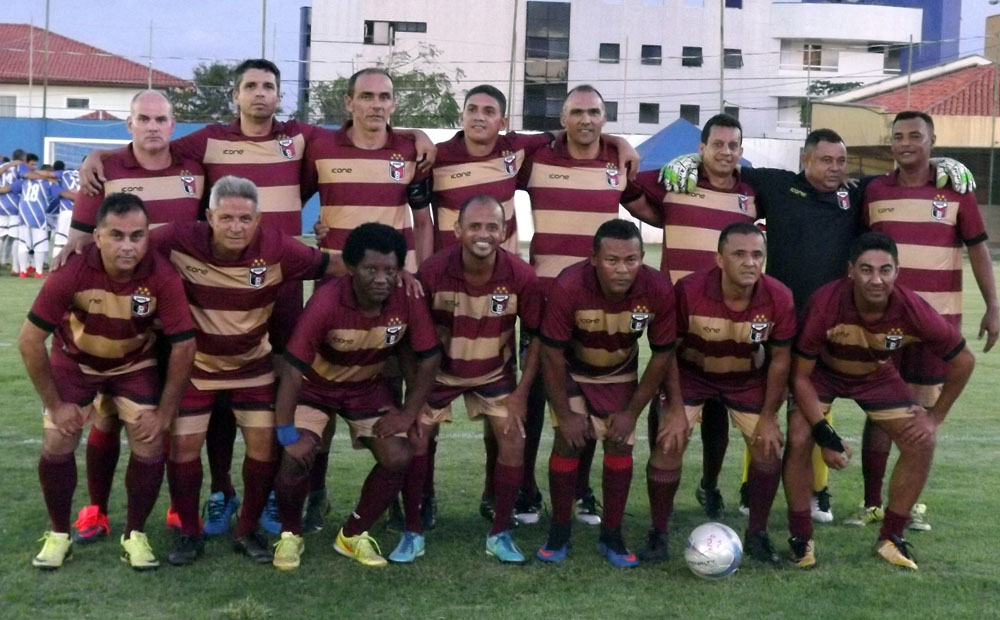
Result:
215,509
366,538
905,547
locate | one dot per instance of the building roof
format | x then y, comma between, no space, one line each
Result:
71,62
967,92
99,115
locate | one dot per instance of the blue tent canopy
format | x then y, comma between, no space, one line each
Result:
677,138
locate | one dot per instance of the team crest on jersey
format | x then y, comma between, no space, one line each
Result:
258,271
640,319
188,183
287,146
843,199
614,178
397,166
758,328
894,339
939,207
141,302
744,201
509,162
500,300
393,331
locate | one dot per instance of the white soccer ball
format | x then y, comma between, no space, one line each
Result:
713,551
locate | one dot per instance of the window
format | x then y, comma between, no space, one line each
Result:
649,113
691,56
78,103
652,54
378,33
611,111
546,63
733,58
610,53
411,26
731,110
8,105
691,113
734,4
812,56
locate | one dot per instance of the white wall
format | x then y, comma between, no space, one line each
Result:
113,100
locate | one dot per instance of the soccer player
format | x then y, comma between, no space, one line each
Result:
691,224
477,290
735,328
38,196
851,328
69,183
102,307
595,314
9,222
233,271
350,328
575,186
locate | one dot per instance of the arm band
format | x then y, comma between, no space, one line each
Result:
826,437
287,434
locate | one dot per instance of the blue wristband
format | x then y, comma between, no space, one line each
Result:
287,434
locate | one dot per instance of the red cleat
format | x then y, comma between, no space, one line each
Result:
174,520
24,274
90,525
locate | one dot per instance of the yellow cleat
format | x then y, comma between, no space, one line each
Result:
803,552
288,551
56,549
137,552
896,551
863,515
362,548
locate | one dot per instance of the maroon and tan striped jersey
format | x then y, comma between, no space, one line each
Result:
833,331
231,301
476,323
723,346
341,351
929,225
458,176
601,336
359,185
172,194
692,222
106,327
570,199
273,162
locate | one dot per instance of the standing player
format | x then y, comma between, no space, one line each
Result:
9,222
38,195
850,329
102,307
349,329
233,271
595,314
69,183
477,291
929,225
735,328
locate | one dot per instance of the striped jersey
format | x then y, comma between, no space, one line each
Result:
69,180
39,198
9,200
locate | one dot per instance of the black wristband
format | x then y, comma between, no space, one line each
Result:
826,437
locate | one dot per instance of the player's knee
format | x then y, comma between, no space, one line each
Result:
55,443
510,447
184,448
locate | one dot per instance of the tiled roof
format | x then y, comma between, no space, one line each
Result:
70,62
967,92
99,115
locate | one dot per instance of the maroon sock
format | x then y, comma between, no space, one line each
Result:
583,471
661,484
57,473
492,451
219,446
506,481
616,481
800,524
317,475
103,450
893,525
413,493
562,486
143,479
380,488
258,480
762,481
432,449
184,480
290,492
534,424
715,441
873,465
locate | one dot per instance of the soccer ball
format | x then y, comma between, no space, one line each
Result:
713,551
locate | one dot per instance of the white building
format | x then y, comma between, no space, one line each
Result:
653,60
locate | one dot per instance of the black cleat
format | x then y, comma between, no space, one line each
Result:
711,499
255,546
656,547
758,546
429,511
486,508
317,507
186,550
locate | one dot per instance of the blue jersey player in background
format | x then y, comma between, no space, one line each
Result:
39,198
69,184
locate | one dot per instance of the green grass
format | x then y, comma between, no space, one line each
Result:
957,577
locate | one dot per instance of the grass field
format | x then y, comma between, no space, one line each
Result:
958,574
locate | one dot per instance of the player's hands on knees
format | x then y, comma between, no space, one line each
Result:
517,411
990,326
148,425
576,430
92,177
412,285
69,418
837,460
76,247
392,423
673,434
620,426
921,428
767,437
300,452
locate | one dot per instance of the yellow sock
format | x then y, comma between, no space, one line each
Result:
821,473
746,463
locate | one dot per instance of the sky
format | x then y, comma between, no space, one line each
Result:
973,26
184,33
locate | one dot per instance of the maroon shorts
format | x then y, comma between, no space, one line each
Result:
130,392
886,390
747,396
252,407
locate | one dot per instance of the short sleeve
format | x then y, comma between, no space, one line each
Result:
191,146
85,211
557,324
971,228
783,332
812,334
310,329
649,183
530,303
529,142
171,304
662,332
301,262
935,332
420,331
56,295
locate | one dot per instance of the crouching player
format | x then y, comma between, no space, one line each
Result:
348,330
735,328
101,308
596,312
851,328
477,291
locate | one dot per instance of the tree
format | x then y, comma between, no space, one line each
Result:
822,88
423,91
210,99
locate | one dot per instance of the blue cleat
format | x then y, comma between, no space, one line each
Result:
218,513
553,556
410,547
269,518
613,548
502,547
